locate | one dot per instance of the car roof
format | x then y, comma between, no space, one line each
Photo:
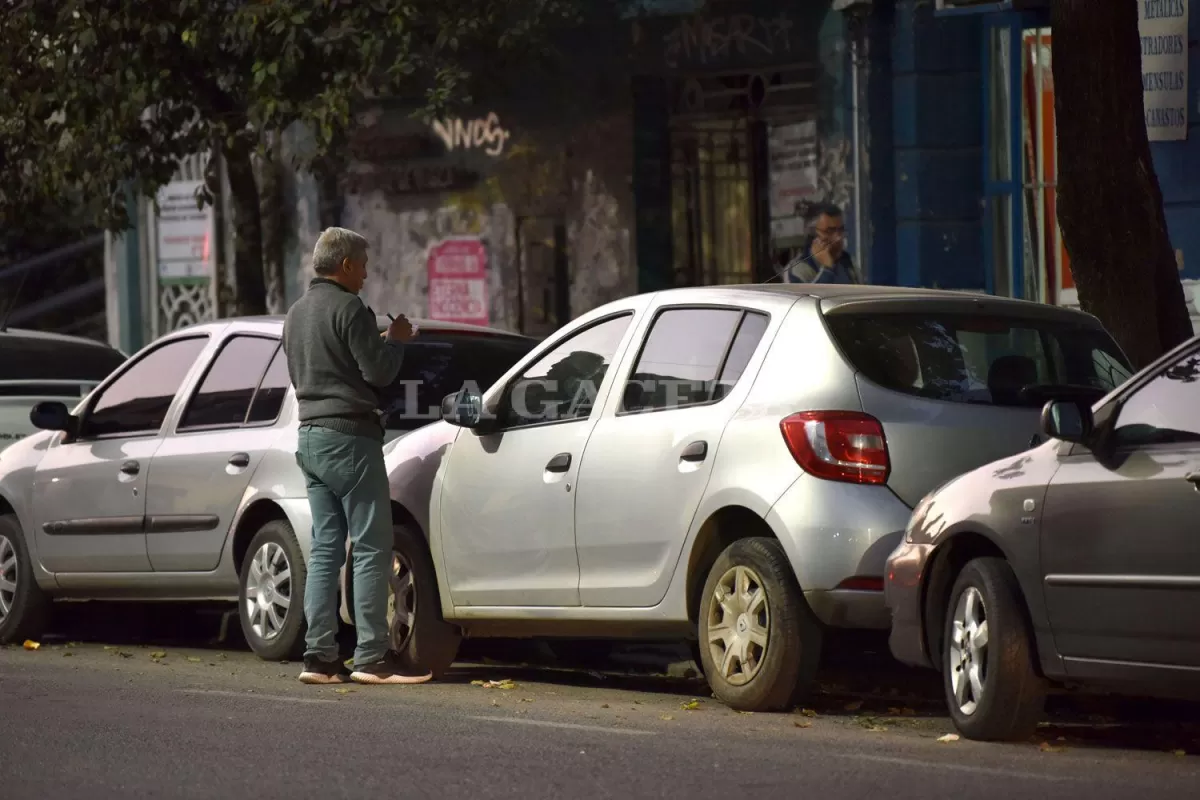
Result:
860,296
22,333
273,323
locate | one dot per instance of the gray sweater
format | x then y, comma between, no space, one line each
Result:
337,360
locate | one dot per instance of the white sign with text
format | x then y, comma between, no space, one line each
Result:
185,234
1163,27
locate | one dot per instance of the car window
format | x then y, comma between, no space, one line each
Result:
223,399
268,400
681,363
138,400
981,358
563,383
1163,411
34,365
438,363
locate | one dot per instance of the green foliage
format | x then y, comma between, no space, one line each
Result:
96,93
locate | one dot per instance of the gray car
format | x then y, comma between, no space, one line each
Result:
176,477
727,465
1077,562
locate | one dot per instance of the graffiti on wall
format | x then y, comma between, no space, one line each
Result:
712,40
473,134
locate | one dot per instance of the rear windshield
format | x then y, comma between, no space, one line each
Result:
29,359
979,358
437,363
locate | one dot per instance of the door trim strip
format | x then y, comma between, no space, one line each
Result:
182,523
94,526
1125,581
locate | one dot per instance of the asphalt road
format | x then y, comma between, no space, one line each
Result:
137,720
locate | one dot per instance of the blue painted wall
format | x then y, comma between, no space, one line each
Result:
1178,167
937,133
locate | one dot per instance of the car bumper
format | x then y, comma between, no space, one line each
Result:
837,537
902,593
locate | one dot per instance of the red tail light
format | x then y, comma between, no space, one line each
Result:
838,445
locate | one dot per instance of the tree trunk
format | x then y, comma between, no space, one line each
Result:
247,232
1110,203
271,208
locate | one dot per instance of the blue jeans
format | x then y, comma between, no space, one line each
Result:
348,496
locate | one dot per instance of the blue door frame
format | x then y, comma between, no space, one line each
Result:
1010,189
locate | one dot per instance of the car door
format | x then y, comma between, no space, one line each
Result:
202,469
648,460
507,502
89,494
1121,535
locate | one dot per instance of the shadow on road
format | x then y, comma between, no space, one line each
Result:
859,682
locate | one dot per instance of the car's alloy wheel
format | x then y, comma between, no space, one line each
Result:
989,664
759,642
8,577
402,609
269,591
968,651
739,625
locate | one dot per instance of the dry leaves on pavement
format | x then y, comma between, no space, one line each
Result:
501,684
31,645
949,737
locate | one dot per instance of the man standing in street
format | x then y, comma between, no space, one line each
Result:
337,362
824,259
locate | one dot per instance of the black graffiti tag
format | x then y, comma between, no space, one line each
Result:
710,39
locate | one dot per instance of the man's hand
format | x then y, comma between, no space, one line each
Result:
399,331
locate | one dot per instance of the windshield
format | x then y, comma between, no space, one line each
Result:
981,358
437,363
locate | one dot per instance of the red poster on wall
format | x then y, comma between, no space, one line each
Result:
458,281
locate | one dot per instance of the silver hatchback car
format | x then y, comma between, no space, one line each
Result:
729,465
176,478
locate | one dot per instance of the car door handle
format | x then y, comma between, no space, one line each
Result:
560,463
696,451
131,468
240,459
1193,478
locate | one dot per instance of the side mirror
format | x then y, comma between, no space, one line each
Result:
1067,420
464,408
51,415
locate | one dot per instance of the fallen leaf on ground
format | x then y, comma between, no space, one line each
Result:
158,654
68,653
854,706
800,724
604,705
808,712
949,737
344,691
495,704
501,684
901,712
666,717
30,644
193,659
1179,752
1046,747
74,644
530,700
690,705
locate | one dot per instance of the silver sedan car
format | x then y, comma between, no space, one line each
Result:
728,465
176,477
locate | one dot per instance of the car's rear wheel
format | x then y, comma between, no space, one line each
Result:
24,607
416,629
760,643
271,600
988,664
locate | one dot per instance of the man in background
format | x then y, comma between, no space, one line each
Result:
824,258
338,361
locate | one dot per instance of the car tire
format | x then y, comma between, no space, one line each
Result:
773,669
1011,695
273,637
420,636
28,607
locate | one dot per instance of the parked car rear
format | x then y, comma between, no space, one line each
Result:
46,366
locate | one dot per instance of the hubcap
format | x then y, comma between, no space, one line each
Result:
268,591
738,624
402,610
968,651
8,577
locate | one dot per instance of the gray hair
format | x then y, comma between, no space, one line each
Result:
334,246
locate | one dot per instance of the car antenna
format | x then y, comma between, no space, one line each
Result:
16,299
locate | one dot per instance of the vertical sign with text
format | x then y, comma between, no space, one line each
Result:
1163,28
184,234
458,281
